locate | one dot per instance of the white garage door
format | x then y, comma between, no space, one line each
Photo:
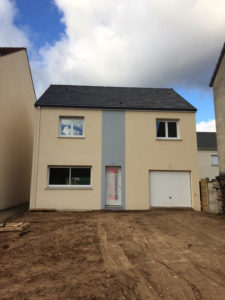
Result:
170,189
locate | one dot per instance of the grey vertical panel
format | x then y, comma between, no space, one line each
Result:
113,147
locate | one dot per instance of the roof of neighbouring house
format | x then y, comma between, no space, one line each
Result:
9,50
217,66
75,96
206,140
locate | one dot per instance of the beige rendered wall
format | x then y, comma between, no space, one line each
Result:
206,170
50,149
219,103
16,122
144,153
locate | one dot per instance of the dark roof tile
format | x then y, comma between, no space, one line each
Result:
113,98
206,140
8,50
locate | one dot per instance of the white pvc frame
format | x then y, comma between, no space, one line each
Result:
69,185
72,119
166,128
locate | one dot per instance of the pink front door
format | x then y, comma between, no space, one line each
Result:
113,186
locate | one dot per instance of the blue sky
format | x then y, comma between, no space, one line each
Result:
41,19
120,43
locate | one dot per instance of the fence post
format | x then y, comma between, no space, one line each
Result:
204,194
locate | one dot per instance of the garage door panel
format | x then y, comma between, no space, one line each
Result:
170,189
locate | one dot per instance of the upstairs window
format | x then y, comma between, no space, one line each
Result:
214,160
69,176
167,129
72,127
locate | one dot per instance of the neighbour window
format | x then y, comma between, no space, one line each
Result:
166,129
72,127
70,176
214,160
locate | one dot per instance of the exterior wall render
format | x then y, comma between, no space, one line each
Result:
126,139
17,99
206,170
219,104
145,153
113,147
50,149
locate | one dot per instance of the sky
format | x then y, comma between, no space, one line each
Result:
145,43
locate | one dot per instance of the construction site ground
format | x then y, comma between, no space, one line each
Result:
157,254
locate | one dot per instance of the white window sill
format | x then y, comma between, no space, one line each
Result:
71,137
168,139
70,187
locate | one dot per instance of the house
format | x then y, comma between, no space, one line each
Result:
218,84
17,98
114,148
207,155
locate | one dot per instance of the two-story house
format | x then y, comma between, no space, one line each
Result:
207,155
116,148
17,98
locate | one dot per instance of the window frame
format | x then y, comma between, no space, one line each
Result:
213,165
166,129
71,118
69,186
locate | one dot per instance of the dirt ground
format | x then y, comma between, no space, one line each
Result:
160,254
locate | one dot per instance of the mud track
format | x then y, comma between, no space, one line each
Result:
161,254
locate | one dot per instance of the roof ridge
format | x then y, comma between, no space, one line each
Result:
105,86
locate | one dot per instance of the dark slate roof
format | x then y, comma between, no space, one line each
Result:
217,66
206,140
9,50
113,98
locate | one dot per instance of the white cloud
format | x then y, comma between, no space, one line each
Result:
210,125
126,42
10,35
135,43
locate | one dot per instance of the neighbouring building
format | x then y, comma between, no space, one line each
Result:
114,148
17,98
218,84
207,155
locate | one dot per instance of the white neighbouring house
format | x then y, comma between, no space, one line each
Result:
207,155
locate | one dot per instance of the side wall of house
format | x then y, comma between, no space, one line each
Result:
16,135
206,170
145,153
52,150
219,103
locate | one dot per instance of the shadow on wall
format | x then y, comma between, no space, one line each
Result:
16,149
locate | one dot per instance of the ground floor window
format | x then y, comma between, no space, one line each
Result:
69,176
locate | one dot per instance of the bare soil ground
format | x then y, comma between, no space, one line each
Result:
161,254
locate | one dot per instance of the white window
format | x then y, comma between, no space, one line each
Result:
69,176
72,127
214,160
167,129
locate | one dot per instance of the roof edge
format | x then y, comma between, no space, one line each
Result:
10,50
114,107
217,66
